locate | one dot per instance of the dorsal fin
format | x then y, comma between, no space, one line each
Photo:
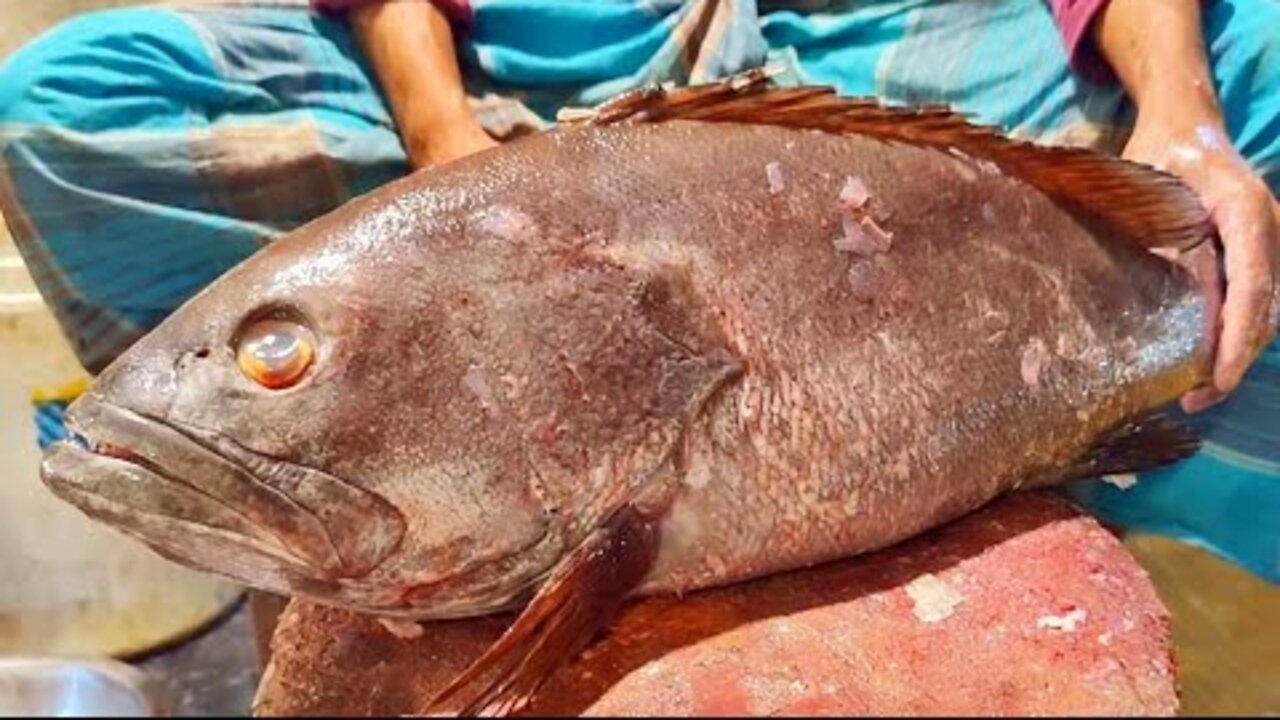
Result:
1154,208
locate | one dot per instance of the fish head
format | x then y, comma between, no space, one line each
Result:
308,424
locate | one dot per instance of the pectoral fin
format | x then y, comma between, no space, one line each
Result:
1144,444
577,601
1139,445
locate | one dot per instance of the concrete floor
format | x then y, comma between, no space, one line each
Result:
212,675
1226,628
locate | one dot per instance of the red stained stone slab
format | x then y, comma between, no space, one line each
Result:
1024,608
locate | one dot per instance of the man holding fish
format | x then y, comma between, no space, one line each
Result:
190,137
255,120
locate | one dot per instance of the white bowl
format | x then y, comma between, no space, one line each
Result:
40,687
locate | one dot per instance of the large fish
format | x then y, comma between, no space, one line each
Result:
701,336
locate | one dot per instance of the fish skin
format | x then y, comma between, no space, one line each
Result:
640,308
848,431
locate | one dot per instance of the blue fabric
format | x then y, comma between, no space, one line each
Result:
1003,63
50,427
145,151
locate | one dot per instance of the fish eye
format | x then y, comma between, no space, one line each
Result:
275,353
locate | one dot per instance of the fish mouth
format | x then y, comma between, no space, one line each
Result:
200,498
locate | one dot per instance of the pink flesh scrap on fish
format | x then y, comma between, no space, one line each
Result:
777,180
861,237
854,194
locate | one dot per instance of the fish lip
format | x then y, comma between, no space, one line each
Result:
71,485
150,450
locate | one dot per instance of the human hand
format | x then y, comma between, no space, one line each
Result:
447,143
1248,221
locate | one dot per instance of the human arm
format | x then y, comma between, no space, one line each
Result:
1156,50
410,45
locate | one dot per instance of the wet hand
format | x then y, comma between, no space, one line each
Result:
1248,222
460,139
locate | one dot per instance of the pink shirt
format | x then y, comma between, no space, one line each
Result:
1074,18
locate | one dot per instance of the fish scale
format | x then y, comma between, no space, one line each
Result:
898,383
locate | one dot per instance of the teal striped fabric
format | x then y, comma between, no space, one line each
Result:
145,151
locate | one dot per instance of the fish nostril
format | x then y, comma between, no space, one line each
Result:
187,358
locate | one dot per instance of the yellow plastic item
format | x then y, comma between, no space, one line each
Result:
66,392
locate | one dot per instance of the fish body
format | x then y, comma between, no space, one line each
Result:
645,357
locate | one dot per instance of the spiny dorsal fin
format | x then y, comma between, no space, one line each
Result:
1154,208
